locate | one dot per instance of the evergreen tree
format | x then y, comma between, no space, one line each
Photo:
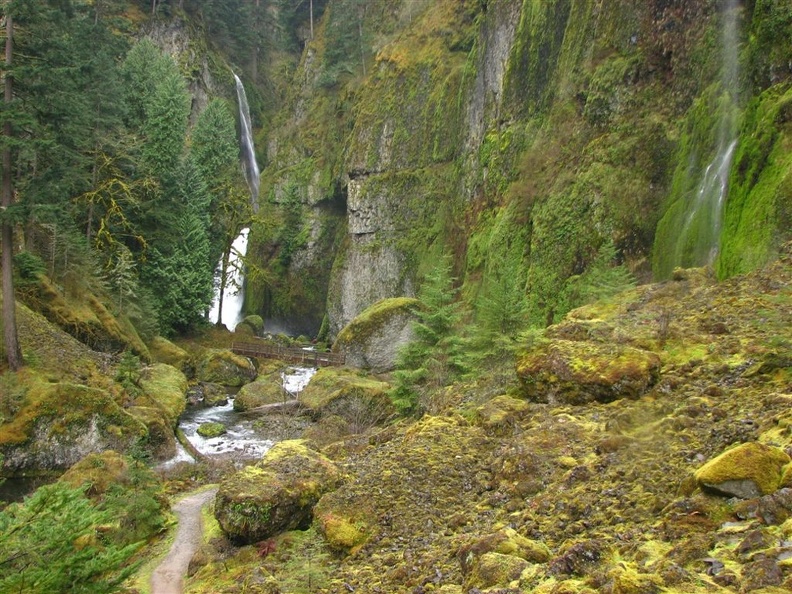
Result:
51,543
436,356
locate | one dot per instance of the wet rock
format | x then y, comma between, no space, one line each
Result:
746,471
571,372
214,395
210,430
372,339
275,495
223,367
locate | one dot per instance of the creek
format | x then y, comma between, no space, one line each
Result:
245,438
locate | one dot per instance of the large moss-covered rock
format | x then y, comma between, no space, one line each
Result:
275,495
266,389
361,400
165,387
221,366
164,351
501,414
372,340
161,440
573,372
500,557
58,424
748,470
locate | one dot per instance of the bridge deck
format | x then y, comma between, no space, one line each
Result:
288,354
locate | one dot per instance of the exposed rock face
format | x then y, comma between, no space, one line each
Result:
373,339
67,423
748,470
575,372
275,495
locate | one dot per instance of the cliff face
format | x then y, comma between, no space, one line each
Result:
523,137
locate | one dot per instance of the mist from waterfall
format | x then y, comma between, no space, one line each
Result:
699,238
247,149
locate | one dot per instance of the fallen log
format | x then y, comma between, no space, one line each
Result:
277,407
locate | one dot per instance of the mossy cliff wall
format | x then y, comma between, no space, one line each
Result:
522,137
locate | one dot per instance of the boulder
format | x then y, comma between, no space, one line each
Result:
360,400
748,470
502,542
496,569
164,387
267,389
275,495
164,351
210,430
62,423
221,366
500,415
251,325
161,439
573,372
372,340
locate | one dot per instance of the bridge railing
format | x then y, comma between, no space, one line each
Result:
288,354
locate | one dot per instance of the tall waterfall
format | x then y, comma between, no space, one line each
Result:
248,152
234,295
699,237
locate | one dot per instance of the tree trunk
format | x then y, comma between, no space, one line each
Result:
10,338
223,284
310,12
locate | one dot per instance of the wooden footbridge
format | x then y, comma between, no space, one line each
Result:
297,355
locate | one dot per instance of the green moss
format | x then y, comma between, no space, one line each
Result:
758,215
373,317
209,430
166,387
762,464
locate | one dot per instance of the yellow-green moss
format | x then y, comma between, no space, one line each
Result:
340,532
164,351
166,387
373,317
762,464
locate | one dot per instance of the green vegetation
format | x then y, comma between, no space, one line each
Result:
54,543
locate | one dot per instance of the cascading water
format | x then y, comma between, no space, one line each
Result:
247,149
233,295
698,240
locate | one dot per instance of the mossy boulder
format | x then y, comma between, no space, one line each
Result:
214,394
98,471
495,569
572,372
506,542
341,533
161,441
748,470
372,340
58,424
164,387
360,400
266,389
221,366
500,415
275,495
251,325
164,351
209,430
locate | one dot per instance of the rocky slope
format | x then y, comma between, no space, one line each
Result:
683,485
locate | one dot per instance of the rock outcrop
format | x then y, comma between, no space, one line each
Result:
748,470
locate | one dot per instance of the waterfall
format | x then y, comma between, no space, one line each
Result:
699,237
248,152
233,296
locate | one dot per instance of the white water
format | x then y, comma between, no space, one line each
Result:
248,152
241,441
700,233
233,296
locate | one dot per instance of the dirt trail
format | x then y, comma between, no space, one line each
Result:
169,575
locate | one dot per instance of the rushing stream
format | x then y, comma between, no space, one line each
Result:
242,440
